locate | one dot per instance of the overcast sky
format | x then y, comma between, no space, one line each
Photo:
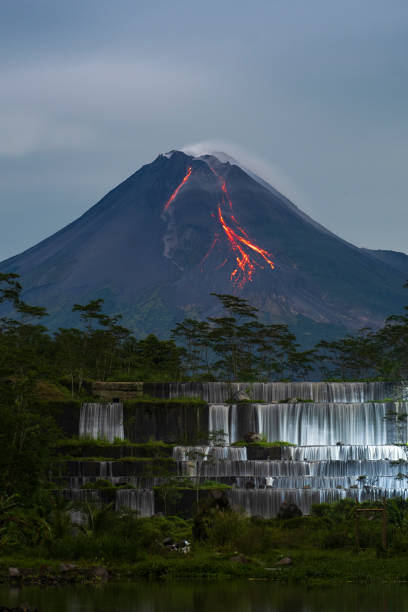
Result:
317,89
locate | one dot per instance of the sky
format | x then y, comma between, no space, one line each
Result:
314,92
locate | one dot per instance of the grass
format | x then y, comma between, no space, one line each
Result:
101,442
320,546
263,443
311,568
148,399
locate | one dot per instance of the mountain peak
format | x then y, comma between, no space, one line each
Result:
186,225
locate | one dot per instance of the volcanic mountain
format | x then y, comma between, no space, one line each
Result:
181,227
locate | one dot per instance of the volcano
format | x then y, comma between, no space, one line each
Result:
181,227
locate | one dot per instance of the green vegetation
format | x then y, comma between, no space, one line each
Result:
35,395
263,443
224,543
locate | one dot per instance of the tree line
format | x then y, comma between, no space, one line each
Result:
236,345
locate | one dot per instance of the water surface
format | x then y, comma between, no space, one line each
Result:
244,596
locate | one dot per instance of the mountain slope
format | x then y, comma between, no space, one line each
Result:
157,245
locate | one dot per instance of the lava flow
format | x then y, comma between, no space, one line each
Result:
175,192
239,241
247,254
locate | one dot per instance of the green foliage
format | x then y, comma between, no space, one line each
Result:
263,443
368,355
237,346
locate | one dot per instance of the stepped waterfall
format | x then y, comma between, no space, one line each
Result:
101,421
220,392
346,440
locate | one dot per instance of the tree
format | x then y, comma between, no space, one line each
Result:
27,431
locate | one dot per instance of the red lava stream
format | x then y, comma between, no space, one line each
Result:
248,256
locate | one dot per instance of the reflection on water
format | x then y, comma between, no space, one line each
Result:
210,597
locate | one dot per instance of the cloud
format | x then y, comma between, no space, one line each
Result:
269,172
75,104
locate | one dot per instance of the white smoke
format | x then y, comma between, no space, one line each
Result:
248,162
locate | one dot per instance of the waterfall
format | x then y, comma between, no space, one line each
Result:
218,424
209,453
101,421
370,469
345,453
330,424
140,500
266,502
308,423
346,436
220,392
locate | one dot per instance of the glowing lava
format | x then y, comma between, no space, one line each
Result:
248,255
175,192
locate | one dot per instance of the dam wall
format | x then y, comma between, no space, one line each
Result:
308,443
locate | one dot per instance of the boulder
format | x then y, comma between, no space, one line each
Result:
241,395
67,567
14,572
238,559
252,437
101,572
285,561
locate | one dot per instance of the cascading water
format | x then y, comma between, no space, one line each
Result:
343,452
101,421
330,424
220,392
209,453
266,502
140,500
218,424
348,445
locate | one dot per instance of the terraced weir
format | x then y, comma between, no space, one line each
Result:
348,441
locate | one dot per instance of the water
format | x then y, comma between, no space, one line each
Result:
210,453
346,452
308,424
215,596
219,392
140,500
344,434
218,424
101,421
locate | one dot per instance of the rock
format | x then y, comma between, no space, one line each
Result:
288,511
238,559
183,547
168,542
285,561
67,567
252,437
14,572
101,572
292,400
242,396
250,484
